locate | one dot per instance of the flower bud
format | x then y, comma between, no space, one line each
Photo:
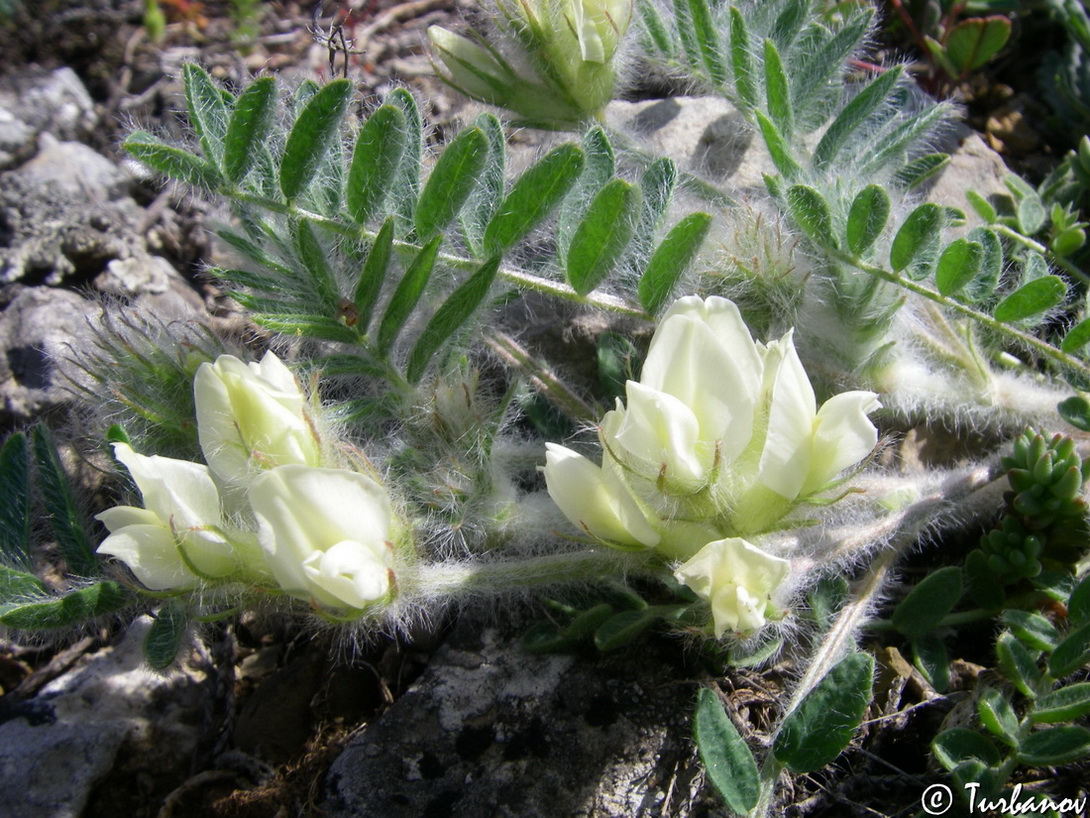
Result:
176,537
471,69
327,535
252,416
739,580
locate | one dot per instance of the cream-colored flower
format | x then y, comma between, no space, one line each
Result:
327,535
739,580
252,417
720,432
177,536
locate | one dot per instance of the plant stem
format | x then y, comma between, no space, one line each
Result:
1043,348
476,578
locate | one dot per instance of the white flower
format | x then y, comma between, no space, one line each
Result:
720,433
739,580
326,534
250,417
177,532
597,25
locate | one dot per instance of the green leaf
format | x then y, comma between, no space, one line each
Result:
1078,604
206,104
823,724
982,206
1076,411
959,264
971,43
778,92
1071,654
919,232
625,627
451,181
164,637
1065,704
248,127
313,258
893,145
374,273
74,608
811,213
16,584
15,502
739,657
598,168
603,235
814,70
670,260
867,218
301,325
778,150
959,744
1077,337
931,659
991,265
485,198
998,716
741,60
1054,746
921,169
1031,214
1034,298
170,161
375,161
656,189
407,294
1032,629
926,604
826,598
536,193
727,759
1019,663
311,137
790,22
853,116
67,523
453,313
406,180
654,26
707,38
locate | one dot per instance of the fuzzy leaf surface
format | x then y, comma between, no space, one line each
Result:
727,758
312,136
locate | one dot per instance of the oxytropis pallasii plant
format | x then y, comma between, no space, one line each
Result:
401,448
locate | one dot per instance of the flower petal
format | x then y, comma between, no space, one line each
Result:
786,456
152,554
843,436
594,503
177,491
662,433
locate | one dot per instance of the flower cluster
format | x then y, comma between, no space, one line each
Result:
264,510
564,73
719,439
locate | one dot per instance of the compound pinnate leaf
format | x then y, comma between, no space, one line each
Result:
451,182
603,235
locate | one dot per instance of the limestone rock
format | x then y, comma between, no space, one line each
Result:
37,101
490,729
56,748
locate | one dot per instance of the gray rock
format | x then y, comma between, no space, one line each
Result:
75,168
51,233
707,135
490,729
38,330
56,748
36,101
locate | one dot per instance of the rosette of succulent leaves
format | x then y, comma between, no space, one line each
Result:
395,277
